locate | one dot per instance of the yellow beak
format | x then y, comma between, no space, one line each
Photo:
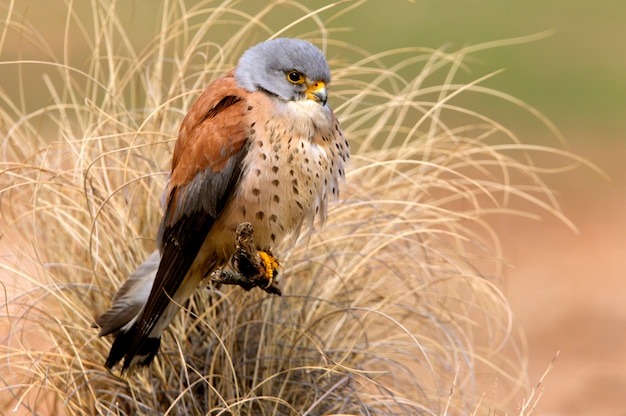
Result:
317,92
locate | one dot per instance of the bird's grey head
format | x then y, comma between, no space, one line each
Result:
291,69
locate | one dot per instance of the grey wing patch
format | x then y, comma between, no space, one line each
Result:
206,193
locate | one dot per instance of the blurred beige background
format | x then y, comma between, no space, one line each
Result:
567,290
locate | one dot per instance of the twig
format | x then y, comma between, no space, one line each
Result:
249,269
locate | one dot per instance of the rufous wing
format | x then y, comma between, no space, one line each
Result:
206,166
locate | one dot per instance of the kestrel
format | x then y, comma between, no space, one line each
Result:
260,145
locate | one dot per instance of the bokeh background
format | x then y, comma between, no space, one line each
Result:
567,287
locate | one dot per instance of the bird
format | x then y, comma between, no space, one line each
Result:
260,145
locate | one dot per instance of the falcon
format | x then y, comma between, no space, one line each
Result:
261,146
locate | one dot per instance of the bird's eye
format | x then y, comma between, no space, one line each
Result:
295,77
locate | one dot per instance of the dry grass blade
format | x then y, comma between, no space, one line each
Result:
393,308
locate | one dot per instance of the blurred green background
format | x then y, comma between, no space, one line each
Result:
576,76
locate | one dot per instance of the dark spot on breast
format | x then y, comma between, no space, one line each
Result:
275,169
273,237
259,143
250,107
295,190
243,211
263,156
299,205
275,182
256,191
260,215
276,199
291,172
273,218
257,172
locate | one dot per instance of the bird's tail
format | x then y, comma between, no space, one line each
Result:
127,306
120,349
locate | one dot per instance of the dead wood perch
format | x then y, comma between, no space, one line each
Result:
250,267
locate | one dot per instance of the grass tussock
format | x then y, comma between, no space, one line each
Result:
395,307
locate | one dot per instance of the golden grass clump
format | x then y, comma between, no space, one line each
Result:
395,307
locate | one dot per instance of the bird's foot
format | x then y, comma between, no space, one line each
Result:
271,266
250,267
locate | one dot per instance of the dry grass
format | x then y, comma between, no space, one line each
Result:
395,307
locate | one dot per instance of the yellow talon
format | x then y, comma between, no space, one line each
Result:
271,264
